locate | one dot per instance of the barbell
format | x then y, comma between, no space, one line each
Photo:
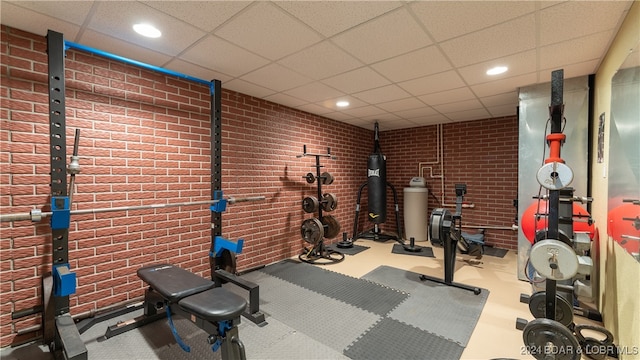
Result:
36,215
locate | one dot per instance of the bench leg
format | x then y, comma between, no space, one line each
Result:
232,348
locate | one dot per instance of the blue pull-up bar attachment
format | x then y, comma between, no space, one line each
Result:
71,45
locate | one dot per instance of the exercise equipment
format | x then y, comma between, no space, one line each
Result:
312,231
329,202
204,301
549,339
564,310
558,256
376,185
445,230
596,349
315,230
174,291
310,204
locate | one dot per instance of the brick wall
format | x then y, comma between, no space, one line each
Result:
145,139
482,154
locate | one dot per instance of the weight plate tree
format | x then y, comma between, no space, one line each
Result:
315,230
556,256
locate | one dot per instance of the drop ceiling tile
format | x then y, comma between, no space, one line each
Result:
433,83
220,55
285,100
356,80
268,31
497,41
313,92
206,15
364,111
395,124
448,19
361,123
34,22
384,34
314,109
332,17
571,71
577,50
73,12
417,113
413,65
503,110
459,106
467,115
196,71
320,61
574,19
430,120
338,115
117,18
504,85
518,64
510,99
124,49
444,97
247,88
331,103
382,117
382,94
276,77
400,105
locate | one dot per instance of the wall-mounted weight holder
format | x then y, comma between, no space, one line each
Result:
315,230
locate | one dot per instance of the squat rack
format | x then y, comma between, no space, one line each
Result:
60,332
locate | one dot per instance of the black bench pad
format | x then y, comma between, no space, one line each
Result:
172,282
215,304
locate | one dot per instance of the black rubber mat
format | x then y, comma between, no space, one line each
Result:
392,339
366,295
355,249
425,251
491,251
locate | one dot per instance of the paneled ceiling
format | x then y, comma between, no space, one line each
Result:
401,63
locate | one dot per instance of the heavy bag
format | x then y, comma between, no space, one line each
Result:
377,188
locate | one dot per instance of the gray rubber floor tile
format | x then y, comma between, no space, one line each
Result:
365,295
447,311
327,320
390,339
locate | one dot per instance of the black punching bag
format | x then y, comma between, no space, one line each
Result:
377,183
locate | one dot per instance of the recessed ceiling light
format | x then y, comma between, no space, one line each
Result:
497,70
342,103
147,30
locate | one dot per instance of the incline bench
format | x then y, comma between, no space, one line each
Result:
216,310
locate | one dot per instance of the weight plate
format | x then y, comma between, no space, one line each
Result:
310,178
554,259
549,339
554,176
310,204
329,202
538,308
327,178
312,231
333,226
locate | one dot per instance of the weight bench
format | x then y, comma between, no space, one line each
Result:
173,290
